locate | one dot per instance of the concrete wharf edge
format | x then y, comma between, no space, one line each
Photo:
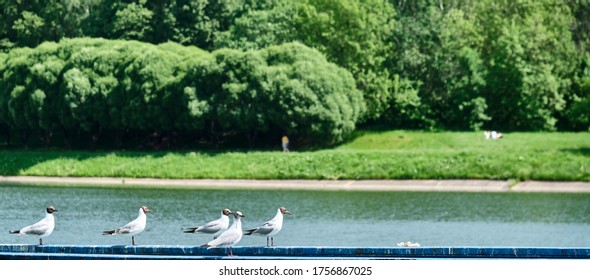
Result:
350,185
118,252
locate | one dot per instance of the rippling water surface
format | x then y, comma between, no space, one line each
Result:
321,218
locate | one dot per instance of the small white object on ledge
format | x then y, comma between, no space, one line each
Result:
408,244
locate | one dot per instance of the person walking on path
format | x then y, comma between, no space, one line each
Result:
285,143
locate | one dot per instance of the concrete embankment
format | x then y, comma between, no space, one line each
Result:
351,185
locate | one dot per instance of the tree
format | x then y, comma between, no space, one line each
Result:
29,86
581,24
530,57
260,28
133,22
286,88
354,35
31,22
438,56
460,103
311,97
3,99
29,29
577,114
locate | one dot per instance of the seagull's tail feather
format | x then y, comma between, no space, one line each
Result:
189,230
206,245
109,232
14,231
249,231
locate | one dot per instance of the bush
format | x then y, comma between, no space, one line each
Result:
122,87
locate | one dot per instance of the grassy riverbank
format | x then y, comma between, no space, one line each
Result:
371,155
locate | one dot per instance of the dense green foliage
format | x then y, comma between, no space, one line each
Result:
520,65
371,155
99,86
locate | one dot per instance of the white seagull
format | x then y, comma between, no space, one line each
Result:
270,228
231,236
42,228
213,227
134,227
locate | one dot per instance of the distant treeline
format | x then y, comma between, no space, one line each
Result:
426,64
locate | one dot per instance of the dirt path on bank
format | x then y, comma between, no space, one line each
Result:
363,185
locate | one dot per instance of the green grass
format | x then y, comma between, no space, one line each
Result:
371,155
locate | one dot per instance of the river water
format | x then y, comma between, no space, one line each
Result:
321,218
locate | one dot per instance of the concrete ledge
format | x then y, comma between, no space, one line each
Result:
196,252
368,185
344,185
542,186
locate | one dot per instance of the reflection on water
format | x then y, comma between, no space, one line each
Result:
321,218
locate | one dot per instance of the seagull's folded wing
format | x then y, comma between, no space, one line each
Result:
39,228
